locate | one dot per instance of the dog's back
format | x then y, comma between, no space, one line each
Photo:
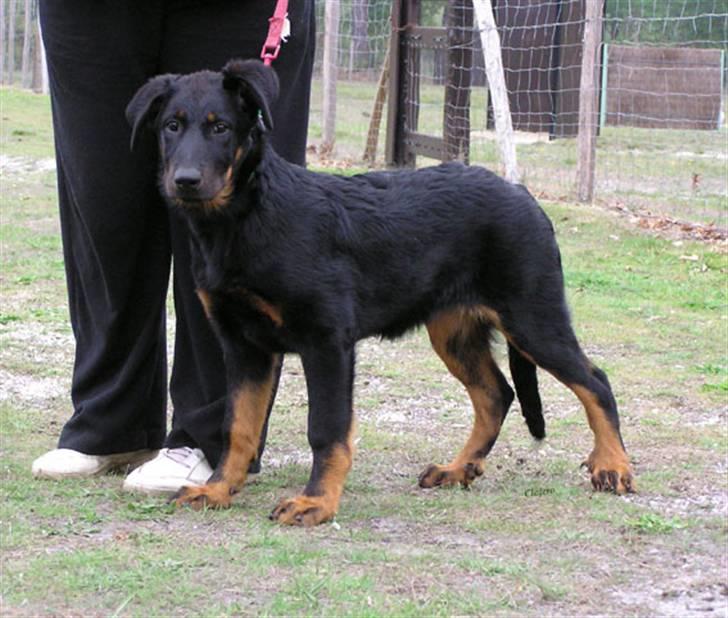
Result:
404,245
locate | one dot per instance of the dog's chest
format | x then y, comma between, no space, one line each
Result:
240,313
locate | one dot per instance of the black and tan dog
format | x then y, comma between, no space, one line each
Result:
287,260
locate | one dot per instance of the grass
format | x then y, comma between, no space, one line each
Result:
25,129
530,538
651,523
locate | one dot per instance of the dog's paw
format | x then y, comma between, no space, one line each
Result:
440,476
212,495
303,511
610,474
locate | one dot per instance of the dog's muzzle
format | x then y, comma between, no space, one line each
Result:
187,179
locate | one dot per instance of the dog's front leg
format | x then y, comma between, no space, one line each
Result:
252,376
329,378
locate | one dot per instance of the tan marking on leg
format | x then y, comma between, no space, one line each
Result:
214,495
250,404
486,426
271,311
305,510
608,462
468,464
206,301
260,304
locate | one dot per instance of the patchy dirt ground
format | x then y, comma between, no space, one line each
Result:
530,538
558,550
19,167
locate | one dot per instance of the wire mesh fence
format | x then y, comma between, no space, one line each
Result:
663,138
662,143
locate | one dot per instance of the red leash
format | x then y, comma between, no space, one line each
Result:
272,45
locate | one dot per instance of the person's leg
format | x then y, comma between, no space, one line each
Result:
205,35
113,224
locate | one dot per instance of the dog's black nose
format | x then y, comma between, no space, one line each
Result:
187,177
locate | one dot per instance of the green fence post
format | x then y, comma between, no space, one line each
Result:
603,102
721,111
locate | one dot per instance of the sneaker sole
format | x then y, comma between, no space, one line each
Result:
123,461
162,489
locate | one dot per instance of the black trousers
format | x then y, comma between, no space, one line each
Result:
118,238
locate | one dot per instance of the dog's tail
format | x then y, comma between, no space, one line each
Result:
523,372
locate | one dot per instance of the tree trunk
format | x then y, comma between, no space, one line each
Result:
456,117
11,41
38,62
360,33
26,71
370,150
3,42
331,43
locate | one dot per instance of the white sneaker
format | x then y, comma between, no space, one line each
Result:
63,463
169,471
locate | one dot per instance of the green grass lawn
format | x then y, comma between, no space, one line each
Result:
530,538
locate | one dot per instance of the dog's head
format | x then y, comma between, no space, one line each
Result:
206,123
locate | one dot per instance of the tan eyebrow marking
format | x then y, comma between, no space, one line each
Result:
211,117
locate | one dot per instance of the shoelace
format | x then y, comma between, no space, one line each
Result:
180,454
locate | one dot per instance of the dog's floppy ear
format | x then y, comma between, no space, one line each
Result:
146,103
256,84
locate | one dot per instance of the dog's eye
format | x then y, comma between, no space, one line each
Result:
172,126
220,128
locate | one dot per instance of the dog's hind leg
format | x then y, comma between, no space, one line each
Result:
546,337
461,339
252,376
330,380
608,462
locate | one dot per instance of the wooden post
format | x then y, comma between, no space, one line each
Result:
3,44
391,149
459,24
370,150
41,78
11,41
497,85
410,108
403,91
587,139
26,71
721,117
37,82
331,40
603,91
